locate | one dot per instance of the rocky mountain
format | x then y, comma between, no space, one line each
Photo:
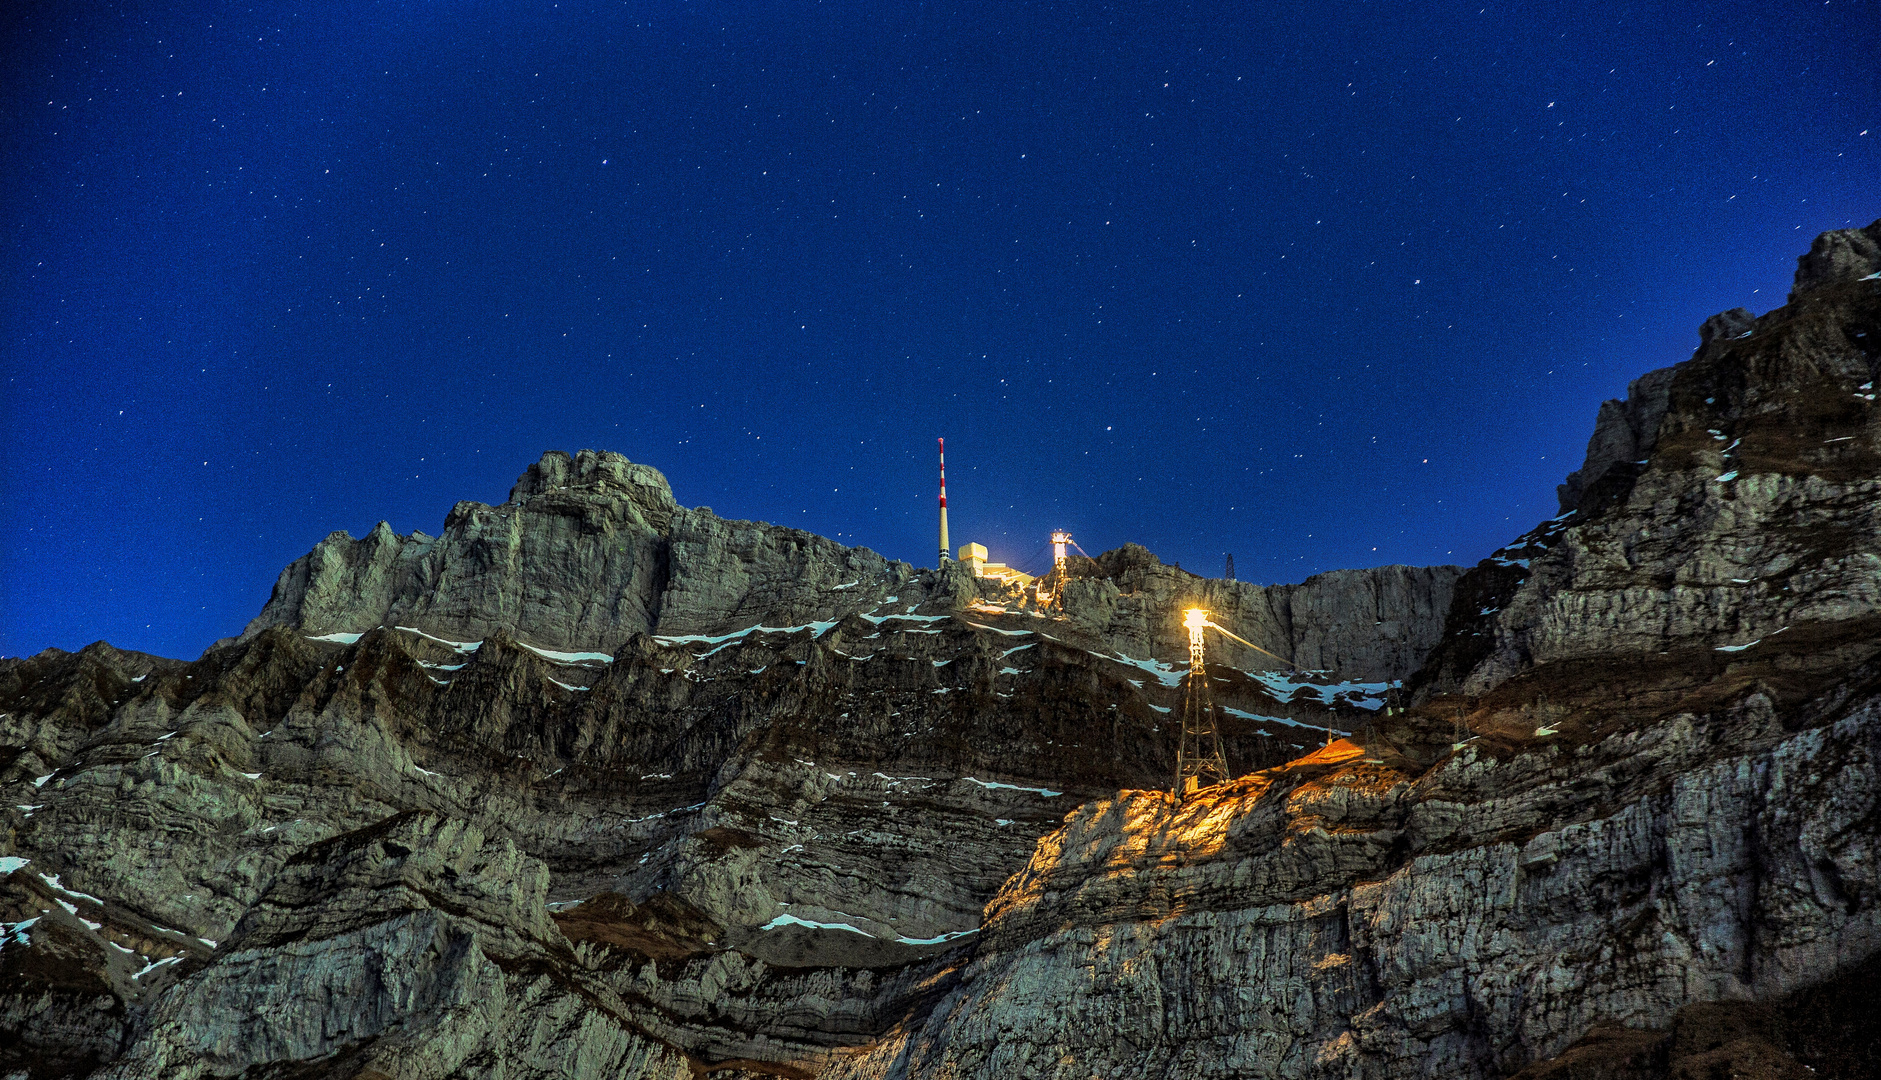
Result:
591,550
595,785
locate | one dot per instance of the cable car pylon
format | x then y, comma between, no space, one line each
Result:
1200,762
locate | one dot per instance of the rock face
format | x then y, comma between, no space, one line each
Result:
595,785
1751,509
765,839
1837,256
588,551
591,550
1377,916
1376,624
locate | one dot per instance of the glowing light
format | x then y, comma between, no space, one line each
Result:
1197,618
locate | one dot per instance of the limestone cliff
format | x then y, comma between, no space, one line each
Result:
595,785
1639,784
591,550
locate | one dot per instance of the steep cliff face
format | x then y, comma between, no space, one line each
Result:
1751,508
1641,778
595,785
762,834
1370,913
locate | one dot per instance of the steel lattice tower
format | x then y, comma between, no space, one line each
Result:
1199,760
1051,591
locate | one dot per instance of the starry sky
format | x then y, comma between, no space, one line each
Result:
1321,285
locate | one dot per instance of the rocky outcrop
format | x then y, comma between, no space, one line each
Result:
810,807
1625,433
1751,510
1654,791
415,948
587,551
591,550
1837,256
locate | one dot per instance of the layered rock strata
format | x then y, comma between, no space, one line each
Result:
1640,779
766,844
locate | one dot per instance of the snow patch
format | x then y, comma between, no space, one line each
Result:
935,940
1167,674
1364,695
460,646
343,639
995,629
1284,720
52,882
880,619
155,964
720,641
569,657
792,920
992,784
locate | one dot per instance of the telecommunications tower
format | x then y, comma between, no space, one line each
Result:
943,505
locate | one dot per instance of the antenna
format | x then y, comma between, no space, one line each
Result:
1230,574
943,503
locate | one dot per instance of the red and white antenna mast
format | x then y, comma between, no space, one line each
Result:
943,502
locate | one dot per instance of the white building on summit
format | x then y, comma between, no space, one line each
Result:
974,556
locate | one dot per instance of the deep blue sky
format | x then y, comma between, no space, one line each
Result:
1323,285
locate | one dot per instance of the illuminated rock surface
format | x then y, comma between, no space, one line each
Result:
594,785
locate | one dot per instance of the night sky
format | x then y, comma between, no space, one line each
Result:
1322,285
